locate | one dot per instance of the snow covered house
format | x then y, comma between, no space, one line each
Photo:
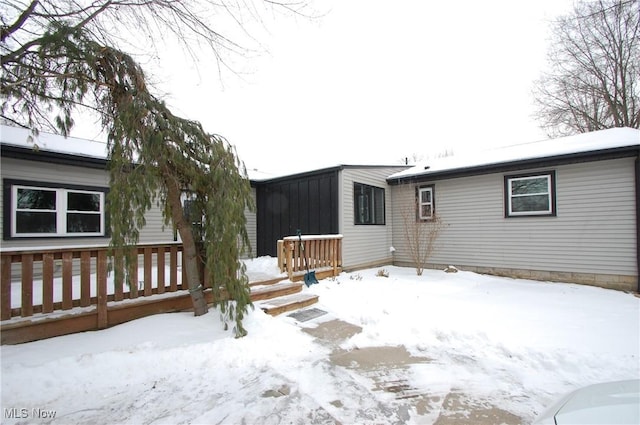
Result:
560,210
57,171
564,209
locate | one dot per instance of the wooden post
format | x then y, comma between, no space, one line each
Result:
27,285
47,283
133,274
67,280
160,269
5,303
281,255
147,258
173,269
334,256
310,253
85,278
295,256
325,252
103,320
290,248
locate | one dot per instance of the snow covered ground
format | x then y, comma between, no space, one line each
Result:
493,343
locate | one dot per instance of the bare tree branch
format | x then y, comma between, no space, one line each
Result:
7,31
594,64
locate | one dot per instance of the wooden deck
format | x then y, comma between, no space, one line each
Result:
273,297
320,253
59,291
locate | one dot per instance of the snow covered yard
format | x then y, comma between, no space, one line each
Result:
478,343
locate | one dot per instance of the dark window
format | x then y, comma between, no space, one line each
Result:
368,204
83,223
35,211
84,212
77,201
530,195
53,211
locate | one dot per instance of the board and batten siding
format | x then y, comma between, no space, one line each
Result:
594,231
365,245
46,172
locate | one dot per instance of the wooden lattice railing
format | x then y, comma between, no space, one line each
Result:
58,280
320,252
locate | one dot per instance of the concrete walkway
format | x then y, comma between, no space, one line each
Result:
388,371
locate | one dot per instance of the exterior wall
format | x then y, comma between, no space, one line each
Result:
591,240
56,173
252,229
308,202
365,245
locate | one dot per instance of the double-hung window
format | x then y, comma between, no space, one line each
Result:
368,202
530,195
38,211
425,203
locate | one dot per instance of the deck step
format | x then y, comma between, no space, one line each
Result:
287,303
270,281
267,292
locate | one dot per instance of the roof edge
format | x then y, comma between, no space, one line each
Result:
320,171
565,159
29,154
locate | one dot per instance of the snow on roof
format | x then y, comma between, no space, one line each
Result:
287,170
262,176
48,142
22,137
582,143
258,175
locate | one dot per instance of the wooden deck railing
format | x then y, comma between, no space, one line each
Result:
58,280
321,252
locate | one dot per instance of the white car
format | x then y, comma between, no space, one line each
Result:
608,403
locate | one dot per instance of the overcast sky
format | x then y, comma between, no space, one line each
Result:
372,82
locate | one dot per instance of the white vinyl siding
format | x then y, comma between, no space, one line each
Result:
594,230
364,245
252,229
18,169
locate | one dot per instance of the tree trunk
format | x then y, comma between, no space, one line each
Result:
190,252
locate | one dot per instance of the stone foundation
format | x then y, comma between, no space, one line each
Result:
608,281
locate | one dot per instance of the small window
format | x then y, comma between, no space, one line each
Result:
530,195
425,203
54,211
368,204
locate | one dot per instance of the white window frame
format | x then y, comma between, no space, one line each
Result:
550,193
420,203
61,212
